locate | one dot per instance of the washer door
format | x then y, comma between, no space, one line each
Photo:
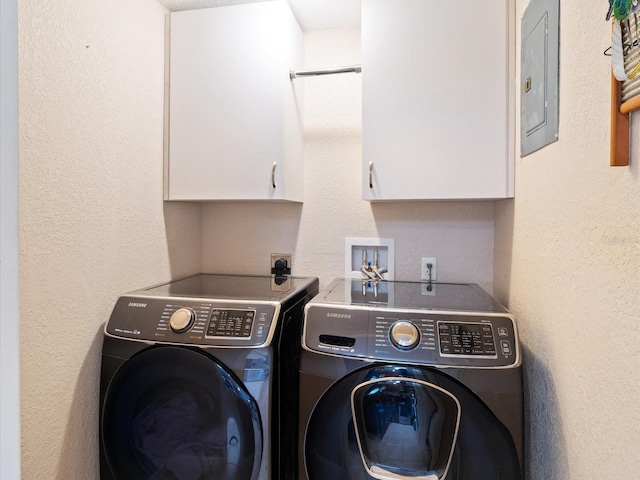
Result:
172,413
403,422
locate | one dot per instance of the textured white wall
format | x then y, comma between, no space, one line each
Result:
238,238
567,263
92,222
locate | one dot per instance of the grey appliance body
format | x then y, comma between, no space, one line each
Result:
404,380
197,374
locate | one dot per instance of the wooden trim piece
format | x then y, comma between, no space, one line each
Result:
619,127
630,105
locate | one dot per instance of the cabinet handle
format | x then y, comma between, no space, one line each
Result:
273,175
370,174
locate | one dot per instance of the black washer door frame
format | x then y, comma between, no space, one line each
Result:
177,412
484,448
421,427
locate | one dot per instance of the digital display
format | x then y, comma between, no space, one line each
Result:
466,339
230,323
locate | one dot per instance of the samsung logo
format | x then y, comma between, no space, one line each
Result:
339,315
137,305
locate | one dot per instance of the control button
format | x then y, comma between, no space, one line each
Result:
490,348
404,335
502,331
506,347
182,319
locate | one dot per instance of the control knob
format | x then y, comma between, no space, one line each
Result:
182,319
404,335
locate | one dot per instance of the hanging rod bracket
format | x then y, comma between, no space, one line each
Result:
324,71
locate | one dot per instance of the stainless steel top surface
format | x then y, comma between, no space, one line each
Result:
465,297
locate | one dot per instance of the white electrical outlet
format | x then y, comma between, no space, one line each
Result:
428,273
424,270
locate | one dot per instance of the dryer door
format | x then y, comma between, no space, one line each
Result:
403,422
176,413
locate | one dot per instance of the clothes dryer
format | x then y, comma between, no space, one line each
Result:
402,380
197,376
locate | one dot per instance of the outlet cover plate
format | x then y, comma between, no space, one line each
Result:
277,256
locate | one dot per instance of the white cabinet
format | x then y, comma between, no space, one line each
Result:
436,94
233,126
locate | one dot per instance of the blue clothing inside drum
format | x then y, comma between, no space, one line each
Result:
181,437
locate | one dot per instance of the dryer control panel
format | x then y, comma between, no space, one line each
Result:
425,337
194,321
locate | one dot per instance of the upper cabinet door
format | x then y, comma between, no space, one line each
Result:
436,100
234,121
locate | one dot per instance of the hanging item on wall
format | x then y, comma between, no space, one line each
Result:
625,74
624,11
621,8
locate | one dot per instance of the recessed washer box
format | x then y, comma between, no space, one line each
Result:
353,255
539,75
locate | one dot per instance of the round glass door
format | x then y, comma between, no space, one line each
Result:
403,422
172,413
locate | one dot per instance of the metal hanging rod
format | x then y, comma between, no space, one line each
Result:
325,71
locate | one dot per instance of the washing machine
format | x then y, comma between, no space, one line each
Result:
198,375
408,380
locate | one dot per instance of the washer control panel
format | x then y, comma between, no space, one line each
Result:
429,337
476,339
225,322
190,321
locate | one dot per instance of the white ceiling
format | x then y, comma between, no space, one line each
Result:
311,14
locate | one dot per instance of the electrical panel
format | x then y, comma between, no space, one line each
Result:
539,75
